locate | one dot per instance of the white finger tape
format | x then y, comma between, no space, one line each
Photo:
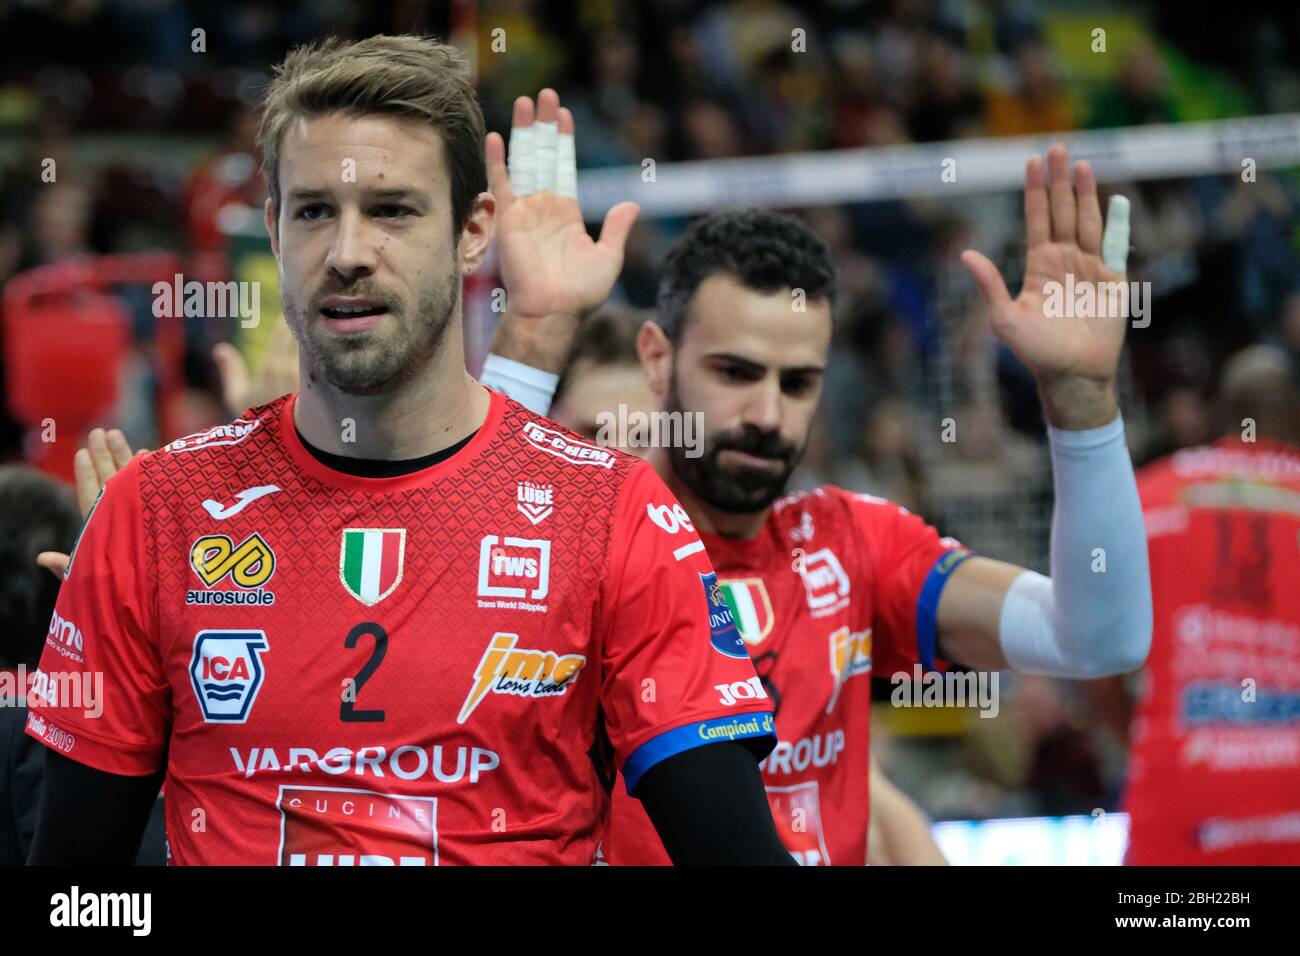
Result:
544,136
566,166
522,161
1114,242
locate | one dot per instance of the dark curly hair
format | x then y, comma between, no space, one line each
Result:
37,513
606,338
764,250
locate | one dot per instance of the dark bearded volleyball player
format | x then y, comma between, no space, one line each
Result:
875,588
603,373
269,600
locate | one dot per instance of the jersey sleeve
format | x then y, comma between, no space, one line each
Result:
912,566
100,696
675,673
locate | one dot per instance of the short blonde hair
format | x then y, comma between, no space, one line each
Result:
411,76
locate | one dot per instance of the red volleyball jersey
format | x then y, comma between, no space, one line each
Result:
1214,769
835,585
442,667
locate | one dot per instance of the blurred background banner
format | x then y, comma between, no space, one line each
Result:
1035,841
1163,151
899,130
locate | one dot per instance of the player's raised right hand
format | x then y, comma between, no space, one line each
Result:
554,273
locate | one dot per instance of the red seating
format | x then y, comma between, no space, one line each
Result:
65,339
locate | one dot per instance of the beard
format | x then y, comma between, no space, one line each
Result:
734,489
381,359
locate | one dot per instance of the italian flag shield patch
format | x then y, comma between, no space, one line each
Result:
370,562
750,606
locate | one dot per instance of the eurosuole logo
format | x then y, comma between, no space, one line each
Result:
249,565
508,669
723,633
226,673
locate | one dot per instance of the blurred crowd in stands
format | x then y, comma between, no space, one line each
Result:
150,127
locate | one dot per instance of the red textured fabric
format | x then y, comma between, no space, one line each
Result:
834,580
1214,769
467,705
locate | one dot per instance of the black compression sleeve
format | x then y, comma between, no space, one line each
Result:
709,807
89,816
21,759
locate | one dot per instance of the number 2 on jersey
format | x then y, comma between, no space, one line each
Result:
348,707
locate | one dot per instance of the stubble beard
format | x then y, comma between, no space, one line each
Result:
379,360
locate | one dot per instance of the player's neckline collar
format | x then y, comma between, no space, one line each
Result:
740,547
308,463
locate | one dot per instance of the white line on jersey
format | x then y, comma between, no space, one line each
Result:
687,550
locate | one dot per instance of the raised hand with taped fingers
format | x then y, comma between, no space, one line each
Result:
1074,358
553,271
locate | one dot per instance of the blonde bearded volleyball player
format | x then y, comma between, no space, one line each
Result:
879,589
602,373
214,675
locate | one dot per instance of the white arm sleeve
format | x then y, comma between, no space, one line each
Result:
1092,617
530,387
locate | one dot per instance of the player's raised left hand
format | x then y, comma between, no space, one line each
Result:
552,269
1074,355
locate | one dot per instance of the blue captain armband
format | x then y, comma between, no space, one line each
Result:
755,731
927,605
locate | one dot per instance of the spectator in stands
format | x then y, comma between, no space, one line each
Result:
1035,102
1287,336
948,103
60,222
606,98
709,131
857,107
788,111
1184,420
1259,215
229,176
890,465
1142,95
1064,772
